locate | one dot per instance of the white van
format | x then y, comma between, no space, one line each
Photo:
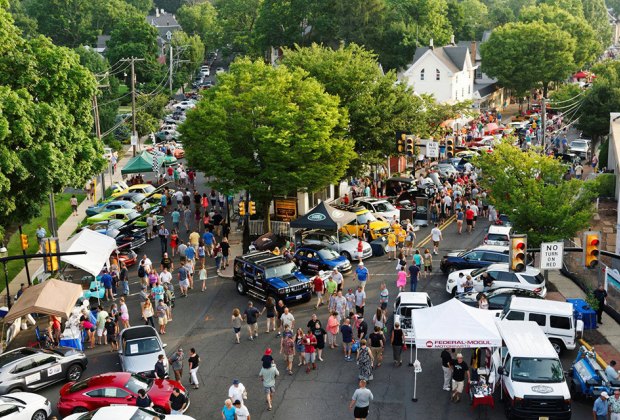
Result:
498,235
555,318
405,305
530,373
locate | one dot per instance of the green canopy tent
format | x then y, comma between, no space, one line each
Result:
141,163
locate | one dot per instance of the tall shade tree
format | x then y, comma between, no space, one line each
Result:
376,105
530,189
45,122
522,56
201,19
191,54
269,131
425,19
587,46
238,20
574,7
595,12
476,16
281,23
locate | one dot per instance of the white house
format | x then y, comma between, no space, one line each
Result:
166,24
448,73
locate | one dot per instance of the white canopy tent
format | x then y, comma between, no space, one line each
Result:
98,248
453,325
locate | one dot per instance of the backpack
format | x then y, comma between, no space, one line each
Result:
141,271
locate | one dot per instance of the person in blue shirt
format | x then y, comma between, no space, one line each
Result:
601,407
362,275
158,291
163,203
106,280
190,254
208,239
176,218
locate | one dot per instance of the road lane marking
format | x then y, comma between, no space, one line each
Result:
427,239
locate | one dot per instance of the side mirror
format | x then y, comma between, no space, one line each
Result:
164,345
501,370
129,397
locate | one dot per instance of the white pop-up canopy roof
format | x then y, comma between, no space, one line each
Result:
455,325
98,248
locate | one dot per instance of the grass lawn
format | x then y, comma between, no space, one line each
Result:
63,212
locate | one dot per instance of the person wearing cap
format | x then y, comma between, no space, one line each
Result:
362,275
237,392
614,405
319,289
460,370
338,278
241,411
268,377
176,361
600,409
267,358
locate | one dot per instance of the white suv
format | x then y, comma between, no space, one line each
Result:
499,275
498,235
379,206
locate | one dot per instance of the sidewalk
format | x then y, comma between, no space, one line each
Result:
609,329
64,231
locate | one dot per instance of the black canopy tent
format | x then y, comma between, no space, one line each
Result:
325,217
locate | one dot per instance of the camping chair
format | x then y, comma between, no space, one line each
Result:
43,340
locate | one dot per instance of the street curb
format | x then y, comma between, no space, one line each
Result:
598,358
608,310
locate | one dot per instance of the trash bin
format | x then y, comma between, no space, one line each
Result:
583,311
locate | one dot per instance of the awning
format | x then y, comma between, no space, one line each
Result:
98,248
323,216
141,163
455,325
52,297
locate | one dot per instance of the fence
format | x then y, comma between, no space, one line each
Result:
279,228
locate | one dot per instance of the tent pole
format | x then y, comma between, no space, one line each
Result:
411,353
415,379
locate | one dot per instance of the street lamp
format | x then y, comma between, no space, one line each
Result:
3,254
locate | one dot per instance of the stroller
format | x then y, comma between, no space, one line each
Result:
169,296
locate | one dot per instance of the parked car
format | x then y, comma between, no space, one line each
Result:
184,105
315,258
580,147
112,205
145,189
446,170
500,276
497,298
344,244
404,305
474,258
498,235
139,349
220,70
116,388
123,412
355,228
378,206
167,135
124,215
30,369
24,406
262,274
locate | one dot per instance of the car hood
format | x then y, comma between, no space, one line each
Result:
455,275
289,280
162,388
140,363
454,253
541,390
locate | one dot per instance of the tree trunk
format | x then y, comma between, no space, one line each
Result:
266,216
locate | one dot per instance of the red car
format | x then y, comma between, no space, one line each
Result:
118,388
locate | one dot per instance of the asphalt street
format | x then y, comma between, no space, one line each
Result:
202,320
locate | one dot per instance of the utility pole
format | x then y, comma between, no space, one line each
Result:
134,135
180,48
170,70
543,123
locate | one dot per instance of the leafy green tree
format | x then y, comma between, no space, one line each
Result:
22,20
267,130
170,6
201,19
377,106
191,55
587,45
133,36
574,7
600,99
66,22
595,12
500,13
530,189
425,19
238,20
144,6
615,5
522,56
280,23
456,16
476,22
45,122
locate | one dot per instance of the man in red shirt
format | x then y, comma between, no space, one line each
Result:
469,218
319,289
309,350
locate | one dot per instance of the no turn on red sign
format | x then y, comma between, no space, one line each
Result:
551,255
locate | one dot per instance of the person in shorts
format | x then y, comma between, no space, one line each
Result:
287,348
110,328
460,371
250,315
360,402
347,339
268,377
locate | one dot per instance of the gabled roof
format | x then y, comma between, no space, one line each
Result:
166,20
453,56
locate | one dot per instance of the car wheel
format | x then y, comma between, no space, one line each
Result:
241,288
451,269
346,255
77,410
557,346
14,390
39,415
74,373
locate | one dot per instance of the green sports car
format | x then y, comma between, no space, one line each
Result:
125,215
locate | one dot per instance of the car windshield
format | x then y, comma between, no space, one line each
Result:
500,237
526,369
328,254
78,386
344,237
384,206
137,382
477,272
149,189
280,270
138,198
537,279
579,144
142,346
365,217
132,215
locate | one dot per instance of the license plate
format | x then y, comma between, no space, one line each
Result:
543,418
298,297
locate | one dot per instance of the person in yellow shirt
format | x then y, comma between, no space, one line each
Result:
391,245
401,236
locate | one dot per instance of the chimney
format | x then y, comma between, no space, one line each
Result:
473,51
156,12
162,12
452,40
430,44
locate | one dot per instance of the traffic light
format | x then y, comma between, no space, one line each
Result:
410,146
591,244
24,239
400,143
450,148
242,209
252,207
51,263
518,251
